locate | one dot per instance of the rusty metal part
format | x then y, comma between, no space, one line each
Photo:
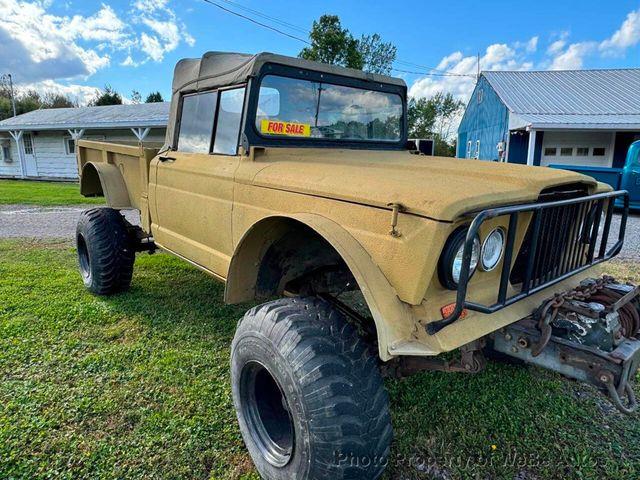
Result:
607,379
611,372
471,360
549,311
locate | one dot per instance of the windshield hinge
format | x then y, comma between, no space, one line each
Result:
395,209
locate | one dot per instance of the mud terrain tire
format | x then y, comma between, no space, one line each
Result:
106,251
309,397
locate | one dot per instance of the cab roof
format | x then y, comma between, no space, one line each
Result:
219,69
222,69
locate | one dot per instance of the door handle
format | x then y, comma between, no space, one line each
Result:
163,158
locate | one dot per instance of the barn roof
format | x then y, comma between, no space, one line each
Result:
590,99
108,116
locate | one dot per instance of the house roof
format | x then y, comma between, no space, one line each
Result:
589,99
107,117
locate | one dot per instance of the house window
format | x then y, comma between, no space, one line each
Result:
566,151
28,143
69,146
550,151
582,151
196,122
6,153
228,124
599,151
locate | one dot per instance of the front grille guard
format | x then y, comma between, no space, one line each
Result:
578,219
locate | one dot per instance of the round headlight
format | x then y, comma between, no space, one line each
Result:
492,249
450,264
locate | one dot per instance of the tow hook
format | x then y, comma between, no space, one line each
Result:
590,333
607,379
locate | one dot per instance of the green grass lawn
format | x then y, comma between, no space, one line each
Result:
137,386
42,193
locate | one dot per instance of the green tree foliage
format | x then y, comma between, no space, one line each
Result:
435,117
135,97
333,44
107,97
28,100
377,56
154,97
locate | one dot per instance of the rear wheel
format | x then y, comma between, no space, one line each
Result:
106,251
309,397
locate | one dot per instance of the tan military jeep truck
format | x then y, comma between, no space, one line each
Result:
292,182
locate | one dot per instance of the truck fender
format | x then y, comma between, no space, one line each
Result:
105,179
391,316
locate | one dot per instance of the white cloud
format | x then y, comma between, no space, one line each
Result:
36,45
103,26
628,35
461,71
81,94
573,57
165,30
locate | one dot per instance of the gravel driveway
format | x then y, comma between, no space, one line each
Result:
60,222
28,221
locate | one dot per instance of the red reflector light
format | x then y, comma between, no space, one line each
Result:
448,310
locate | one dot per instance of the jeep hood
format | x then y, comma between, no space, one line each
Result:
434,187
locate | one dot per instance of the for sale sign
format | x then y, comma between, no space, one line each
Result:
290,129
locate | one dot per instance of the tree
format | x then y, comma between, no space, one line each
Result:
154,97
28,100
377,56
108,97
135,97
435,117
333,44
57,100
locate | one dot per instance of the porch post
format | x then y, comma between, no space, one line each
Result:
532,147
17,136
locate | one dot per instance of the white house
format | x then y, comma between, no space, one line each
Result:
41,143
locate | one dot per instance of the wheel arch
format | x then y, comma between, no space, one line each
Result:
390,314
105,180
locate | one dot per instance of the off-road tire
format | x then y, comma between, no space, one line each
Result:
106,251
301,374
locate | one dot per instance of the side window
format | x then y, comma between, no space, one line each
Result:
228,124
196,122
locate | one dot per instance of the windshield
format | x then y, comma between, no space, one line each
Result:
290,107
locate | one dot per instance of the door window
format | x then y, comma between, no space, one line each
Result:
196,122
28,143
228,124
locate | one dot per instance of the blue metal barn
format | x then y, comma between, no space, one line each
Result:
583,120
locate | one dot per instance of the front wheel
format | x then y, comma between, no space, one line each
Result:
310,400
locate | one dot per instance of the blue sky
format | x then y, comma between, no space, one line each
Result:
75,46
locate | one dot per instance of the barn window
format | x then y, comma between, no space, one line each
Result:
599,151
69,146
566,151
550,151
582,151
28,143
480,95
